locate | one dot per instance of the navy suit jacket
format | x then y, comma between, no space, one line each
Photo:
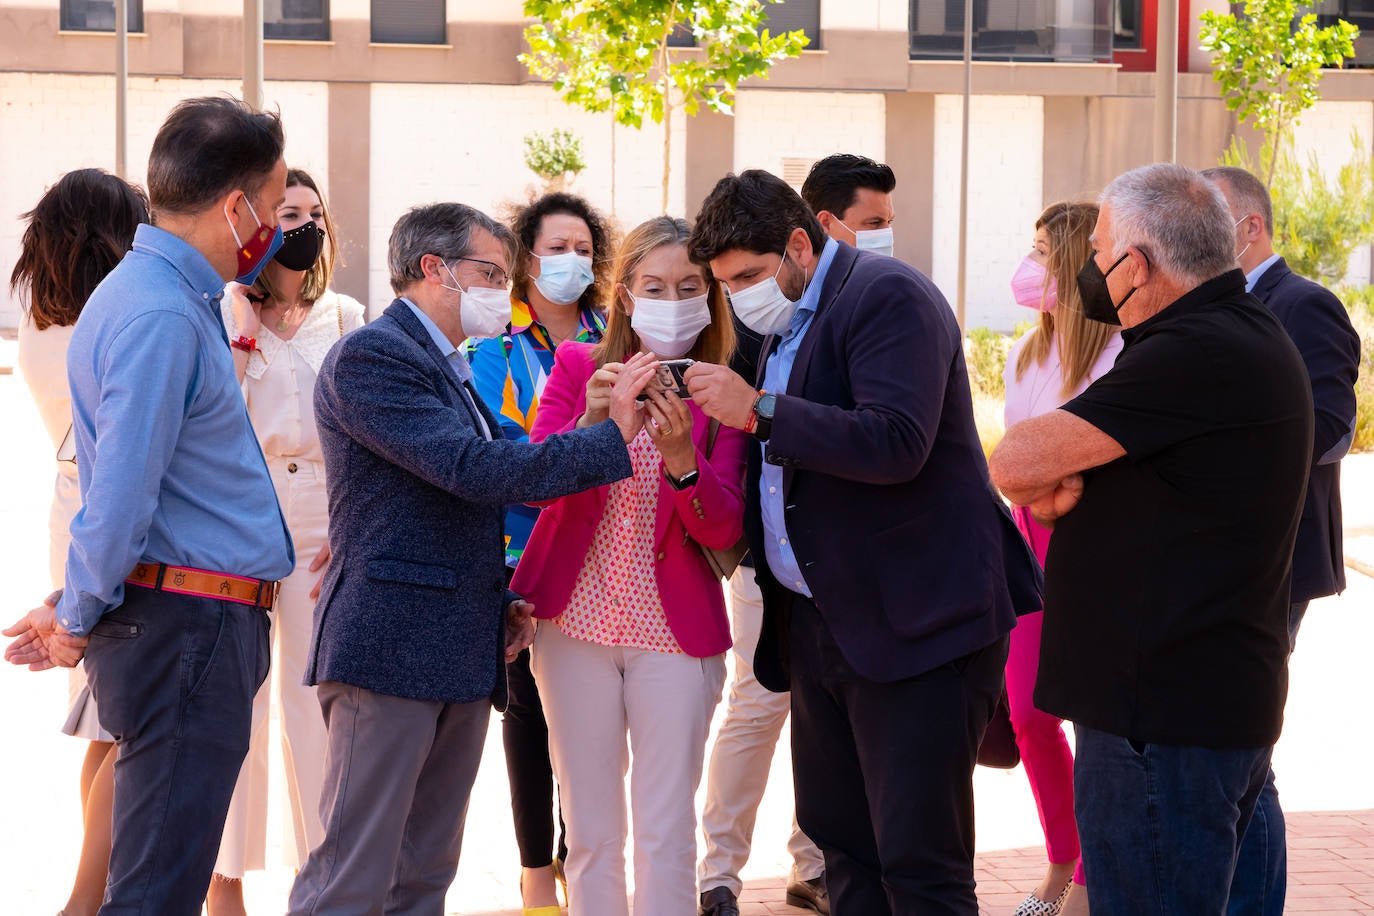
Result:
910,555
413,603
1330,348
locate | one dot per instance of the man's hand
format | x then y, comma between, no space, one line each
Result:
320,562
625,409
599,394
42,643
519,628
1058,502
721,393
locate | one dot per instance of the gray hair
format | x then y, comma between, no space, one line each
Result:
1248,193
1179,219
444,230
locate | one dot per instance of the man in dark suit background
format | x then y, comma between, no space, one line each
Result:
1320,327
881,548
414,622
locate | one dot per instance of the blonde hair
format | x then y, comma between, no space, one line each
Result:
321,273
1081,340
716,343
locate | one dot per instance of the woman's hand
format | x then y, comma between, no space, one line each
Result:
625,409
247,313
599,394
670,427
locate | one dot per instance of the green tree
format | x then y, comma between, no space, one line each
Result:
1269,63
554,157
613,55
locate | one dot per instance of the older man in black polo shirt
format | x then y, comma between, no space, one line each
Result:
1177,482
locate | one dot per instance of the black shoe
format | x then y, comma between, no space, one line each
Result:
719,901
809,895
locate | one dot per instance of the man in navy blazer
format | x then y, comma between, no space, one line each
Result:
891,572
414,622
1320,327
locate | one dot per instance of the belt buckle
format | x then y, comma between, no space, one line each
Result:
272,589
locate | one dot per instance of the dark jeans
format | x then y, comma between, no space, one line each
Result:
884,773
525,735
1160,825
1260,885
173,677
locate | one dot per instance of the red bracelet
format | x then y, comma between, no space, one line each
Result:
752,422
246,344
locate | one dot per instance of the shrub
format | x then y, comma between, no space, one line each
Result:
1359,300
555,157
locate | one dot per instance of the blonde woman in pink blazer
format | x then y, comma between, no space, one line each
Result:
633,627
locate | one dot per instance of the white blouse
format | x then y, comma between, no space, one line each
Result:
279,382
43,363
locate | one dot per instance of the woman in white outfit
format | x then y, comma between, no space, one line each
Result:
75,236
281,329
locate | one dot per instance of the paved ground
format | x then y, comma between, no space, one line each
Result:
1322,760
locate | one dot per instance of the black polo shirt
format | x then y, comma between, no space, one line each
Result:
1167,586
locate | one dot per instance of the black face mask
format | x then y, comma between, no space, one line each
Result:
301,247
1096,298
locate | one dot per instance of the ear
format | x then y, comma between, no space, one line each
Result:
799,246
231,203
826,218
432,266
626,298
1141,269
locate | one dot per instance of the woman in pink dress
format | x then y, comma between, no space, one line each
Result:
634,630
1053,363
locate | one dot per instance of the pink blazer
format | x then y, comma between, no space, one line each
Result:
710,512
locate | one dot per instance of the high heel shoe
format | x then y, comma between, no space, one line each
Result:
1034,906
561,877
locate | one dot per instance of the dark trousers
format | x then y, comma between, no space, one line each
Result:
1260,885
525,734
884,773
1161,825
173,677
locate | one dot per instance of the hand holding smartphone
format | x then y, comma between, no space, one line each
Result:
669,377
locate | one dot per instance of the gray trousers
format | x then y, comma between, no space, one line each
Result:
398,775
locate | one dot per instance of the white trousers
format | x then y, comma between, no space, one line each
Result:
742,755
592,696
304,740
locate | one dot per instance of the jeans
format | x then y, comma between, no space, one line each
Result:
174,678
1260,885
1161,825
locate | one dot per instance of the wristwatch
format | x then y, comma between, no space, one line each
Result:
683,482
763,416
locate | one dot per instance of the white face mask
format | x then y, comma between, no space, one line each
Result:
484,312
670,327
764,307
878,241
563,278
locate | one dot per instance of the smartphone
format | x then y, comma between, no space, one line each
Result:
669,377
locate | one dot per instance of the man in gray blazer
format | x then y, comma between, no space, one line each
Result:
414,622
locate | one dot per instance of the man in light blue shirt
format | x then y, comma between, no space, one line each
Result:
179,543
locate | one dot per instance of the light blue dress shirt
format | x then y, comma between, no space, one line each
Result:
456,360
777,547
169,468
1253,276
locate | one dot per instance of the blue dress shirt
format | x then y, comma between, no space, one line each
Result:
168,465
456,360
777,547
1253,276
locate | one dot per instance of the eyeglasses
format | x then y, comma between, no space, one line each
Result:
491,273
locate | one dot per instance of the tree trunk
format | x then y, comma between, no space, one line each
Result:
612,162
667,151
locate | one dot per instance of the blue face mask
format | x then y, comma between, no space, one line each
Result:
563,278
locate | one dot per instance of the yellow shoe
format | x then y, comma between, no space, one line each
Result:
561,876
542,911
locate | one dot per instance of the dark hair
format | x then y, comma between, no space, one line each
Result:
526,223
443,230
833,183
319,276
78,232
209,147
753,211
1247,192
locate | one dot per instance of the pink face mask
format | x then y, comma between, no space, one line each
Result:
1028,286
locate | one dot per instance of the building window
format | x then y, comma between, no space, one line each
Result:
298,20
1128,25
412,22
1030,30
793,15
1358,13
98,15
